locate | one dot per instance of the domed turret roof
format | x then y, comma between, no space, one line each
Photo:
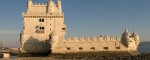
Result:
126,33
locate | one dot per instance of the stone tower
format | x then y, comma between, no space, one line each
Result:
40,22
44,31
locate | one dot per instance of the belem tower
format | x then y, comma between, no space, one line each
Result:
44,30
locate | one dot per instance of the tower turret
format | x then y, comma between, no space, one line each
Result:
133,34
29,4
50,6
126,34
58,4
126,37
136,38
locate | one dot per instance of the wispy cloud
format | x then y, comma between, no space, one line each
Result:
3,32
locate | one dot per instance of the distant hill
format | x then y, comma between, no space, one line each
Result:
144,47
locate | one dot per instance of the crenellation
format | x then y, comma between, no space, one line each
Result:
117,38
104,38
75,39
87,39
66,39
35,3
31,16
71,38
82,38
100,39
43,14
39,4
93,38
107,38
113,39
110,38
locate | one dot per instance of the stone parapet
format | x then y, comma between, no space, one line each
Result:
49,15
39,4
87,39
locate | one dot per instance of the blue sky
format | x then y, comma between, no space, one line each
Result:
83,18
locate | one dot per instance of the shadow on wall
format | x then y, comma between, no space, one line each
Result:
33,45
123,41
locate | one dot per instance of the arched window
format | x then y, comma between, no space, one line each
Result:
41,20
40,29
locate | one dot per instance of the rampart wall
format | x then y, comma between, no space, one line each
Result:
89,44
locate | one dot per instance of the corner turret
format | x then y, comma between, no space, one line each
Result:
126,36
51,6
29,4
136,38
58,4
130,41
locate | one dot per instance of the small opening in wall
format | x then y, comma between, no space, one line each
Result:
80,48
92,48
105,48
117,47
43,28
68,48
63,28
39,29
50,37
130,41
42,31
41,20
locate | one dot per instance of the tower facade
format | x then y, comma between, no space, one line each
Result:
40,21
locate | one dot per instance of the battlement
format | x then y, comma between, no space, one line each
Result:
43,9
89,39
42,14
39,4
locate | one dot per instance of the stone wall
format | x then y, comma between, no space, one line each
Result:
75,45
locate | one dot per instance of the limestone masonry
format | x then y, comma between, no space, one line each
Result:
44,31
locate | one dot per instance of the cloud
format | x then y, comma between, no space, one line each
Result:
3,32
